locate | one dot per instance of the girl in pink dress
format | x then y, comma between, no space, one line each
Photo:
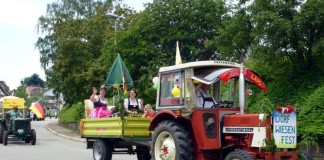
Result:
100,103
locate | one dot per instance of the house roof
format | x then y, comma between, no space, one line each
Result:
35,89
4,88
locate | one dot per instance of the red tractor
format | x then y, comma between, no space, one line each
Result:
185,131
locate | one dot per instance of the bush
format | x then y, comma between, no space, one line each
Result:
71,114
311,117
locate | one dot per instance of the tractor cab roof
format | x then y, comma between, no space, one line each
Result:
200,64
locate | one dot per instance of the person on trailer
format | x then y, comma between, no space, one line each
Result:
132,104
204,99
148,112
100,103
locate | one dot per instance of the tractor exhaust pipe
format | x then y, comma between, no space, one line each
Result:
242,91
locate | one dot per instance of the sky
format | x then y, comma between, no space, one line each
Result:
18,56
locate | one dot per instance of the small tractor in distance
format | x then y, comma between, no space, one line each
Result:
185,131
15,128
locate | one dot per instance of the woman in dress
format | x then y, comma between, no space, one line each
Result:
133,105
100,103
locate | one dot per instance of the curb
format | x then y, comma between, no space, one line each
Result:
65,136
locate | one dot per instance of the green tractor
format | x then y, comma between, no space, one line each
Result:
15,128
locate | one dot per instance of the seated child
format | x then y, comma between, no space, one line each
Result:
148,113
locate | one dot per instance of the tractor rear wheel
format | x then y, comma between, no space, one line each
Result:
2,128
5,137
171,141
239,155
102,150
33,137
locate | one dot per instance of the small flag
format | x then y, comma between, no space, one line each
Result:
178,57
124,83
37,109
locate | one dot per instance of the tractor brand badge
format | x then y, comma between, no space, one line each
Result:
238,130
284,129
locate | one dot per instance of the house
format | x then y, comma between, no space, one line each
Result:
34,90
51,101
4,89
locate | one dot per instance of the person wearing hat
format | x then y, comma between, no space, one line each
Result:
204,99
100,103
15,113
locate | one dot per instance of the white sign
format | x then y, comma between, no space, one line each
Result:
284,129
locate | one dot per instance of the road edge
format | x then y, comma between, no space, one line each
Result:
65,136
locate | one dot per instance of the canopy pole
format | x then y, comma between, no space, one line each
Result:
113,100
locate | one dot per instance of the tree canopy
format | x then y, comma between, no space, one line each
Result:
33,80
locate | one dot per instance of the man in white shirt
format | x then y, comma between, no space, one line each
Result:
204,99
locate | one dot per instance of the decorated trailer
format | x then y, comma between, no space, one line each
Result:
107,136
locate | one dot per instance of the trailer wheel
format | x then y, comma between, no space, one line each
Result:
304,155
102,150
33,137
171,141
143,153
239,155
5,137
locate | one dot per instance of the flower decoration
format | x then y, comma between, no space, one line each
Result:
287,109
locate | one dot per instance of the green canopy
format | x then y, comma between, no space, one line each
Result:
116,72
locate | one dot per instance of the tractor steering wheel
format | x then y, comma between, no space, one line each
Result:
225,104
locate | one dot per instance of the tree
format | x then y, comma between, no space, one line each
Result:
150,40
33,80
76,31
235,37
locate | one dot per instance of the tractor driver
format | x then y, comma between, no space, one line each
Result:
15,113
204,99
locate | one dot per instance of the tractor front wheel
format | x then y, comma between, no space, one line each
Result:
33,137
27,140
171,141
304,155
239,155
102,150
5,137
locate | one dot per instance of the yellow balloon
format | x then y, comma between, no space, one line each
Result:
175,92
195,81
116,86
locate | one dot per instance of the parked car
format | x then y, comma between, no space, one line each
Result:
53,113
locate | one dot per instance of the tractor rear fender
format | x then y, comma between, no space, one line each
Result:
166,115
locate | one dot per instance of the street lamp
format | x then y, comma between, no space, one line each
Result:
112,15
115,17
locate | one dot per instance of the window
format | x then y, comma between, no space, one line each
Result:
172,89
210,124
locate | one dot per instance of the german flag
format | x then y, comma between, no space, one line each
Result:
37,109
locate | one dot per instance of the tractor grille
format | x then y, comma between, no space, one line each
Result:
20,125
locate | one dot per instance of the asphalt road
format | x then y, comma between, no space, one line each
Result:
50,147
